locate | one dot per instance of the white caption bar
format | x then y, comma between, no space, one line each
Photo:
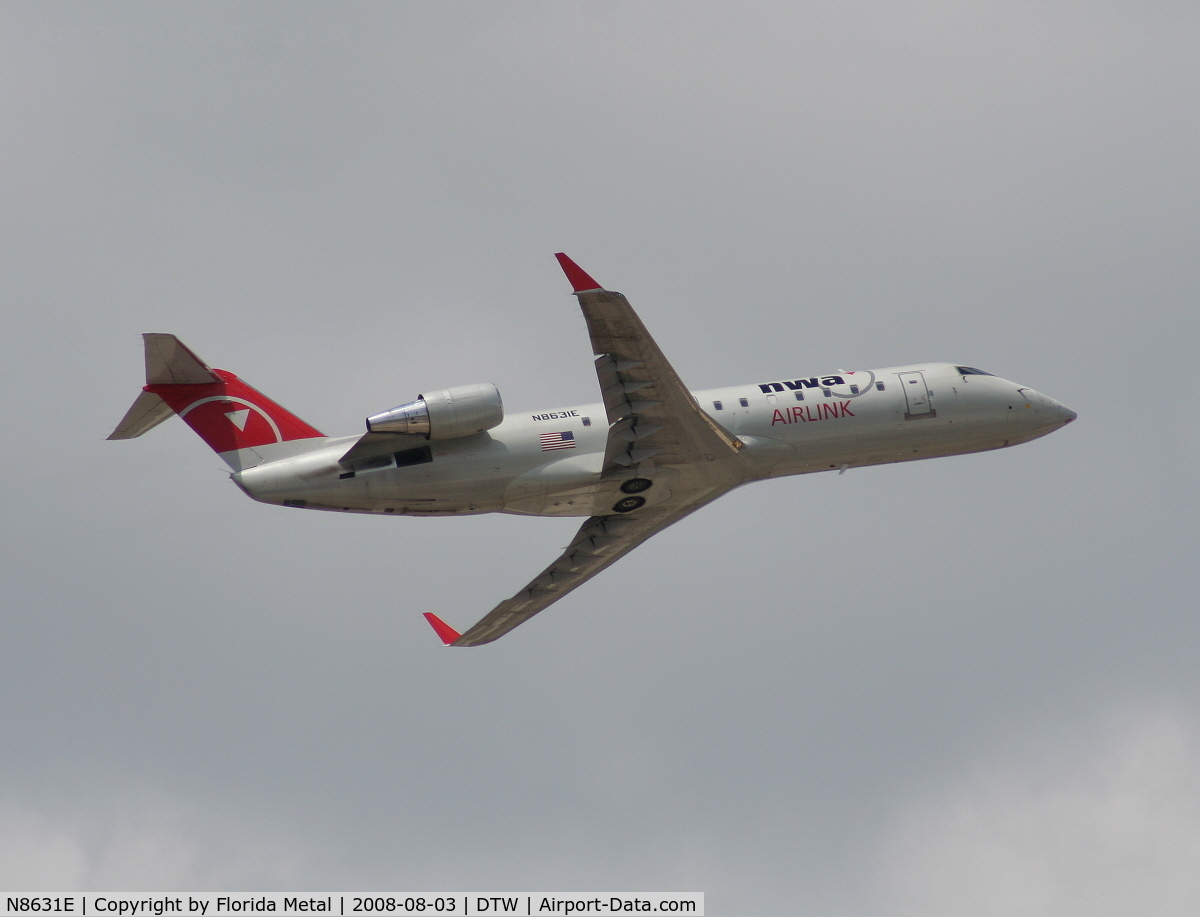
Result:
458,904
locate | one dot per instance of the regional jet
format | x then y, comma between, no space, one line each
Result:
646,455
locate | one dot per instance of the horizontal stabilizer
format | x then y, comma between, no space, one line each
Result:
147,412
169,362
445,632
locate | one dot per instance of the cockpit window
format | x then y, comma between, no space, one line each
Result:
971,371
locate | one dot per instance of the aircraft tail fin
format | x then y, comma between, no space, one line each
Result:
168,362
227,413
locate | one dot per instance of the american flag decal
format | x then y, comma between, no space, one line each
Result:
552,441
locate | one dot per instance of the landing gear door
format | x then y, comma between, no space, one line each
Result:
917,402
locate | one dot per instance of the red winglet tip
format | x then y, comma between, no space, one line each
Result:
445,632
580,279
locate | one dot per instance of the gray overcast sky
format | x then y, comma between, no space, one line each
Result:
957,687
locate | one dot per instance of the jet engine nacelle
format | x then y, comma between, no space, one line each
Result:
445,414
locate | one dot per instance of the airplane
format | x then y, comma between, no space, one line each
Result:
648,454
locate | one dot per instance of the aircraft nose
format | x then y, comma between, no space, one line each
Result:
1058,411
1049,408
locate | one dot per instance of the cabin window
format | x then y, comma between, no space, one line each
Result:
743,402
587,421
771,399
854,390
879,385
717,405
971,371
799,396
826,392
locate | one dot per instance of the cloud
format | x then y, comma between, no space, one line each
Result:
152,843
1110,829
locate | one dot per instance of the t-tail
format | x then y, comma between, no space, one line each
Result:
242,425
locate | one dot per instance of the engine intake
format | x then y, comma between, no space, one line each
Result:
445,414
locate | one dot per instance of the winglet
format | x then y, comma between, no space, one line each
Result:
580,279
444,631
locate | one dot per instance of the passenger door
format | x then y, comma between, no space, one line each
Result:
916,396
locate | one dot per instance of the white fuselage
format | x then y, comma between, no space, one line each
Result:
897,414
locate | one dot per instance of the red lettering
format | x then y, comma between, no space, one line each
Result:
778,417
846,412
808,412
798,414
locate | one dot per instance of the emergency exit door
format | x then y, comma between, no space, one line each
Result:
917,402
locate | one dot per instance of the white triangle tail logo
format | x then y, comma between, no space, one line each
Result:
238,418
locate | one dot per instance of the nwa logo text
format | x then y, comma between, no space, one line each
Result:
797,384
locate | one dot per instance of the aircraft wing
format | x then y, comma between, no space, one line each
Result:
654,424
600,542
651,413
